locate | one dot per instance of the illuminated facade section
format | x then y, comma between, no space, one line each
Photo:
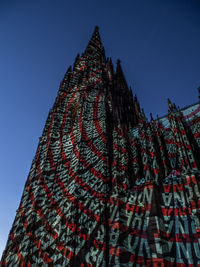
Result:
107,187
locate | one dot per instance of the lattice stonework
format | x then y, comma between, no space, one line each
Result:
107,187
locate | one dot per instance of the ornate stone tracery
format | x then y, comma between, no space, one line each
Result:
107,187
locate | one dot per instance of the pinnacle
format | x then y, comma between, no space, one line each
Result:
96,29
95,44
119,71
67,74
69,69
121,81
170,104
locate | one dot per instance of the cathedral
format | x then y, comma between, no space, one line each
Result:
107,186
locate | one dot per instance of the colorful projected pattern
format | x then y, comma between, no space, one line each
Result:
107,187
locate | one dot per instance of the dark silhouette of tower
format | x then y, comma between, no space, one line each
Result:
107,187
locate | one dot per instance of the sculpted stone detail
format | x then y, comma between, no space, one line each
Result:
107,187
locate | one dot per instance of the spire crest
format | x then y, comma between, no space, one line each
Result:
170,104
120,79
95,44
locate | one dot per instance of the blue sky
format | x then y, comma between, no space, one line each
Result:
158,43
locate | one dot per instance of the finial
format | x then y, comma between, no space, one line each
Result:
142,116
111,65
170,104
151,116
96,28
174,106
66,76
110,62
119,68
69,69
77,57
137,105
121,83
131,92
76,61
143,113
68,72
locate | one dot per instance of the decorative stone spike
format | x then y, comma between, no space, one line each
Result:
170,104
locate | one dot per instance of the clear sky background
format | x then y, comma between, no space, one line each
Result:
158,43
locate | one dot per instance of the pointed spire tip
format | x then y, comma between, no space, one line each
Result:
95,43
170,104
69,69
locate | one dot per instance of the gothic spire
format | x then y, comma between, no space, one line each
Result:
95,44
120,79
